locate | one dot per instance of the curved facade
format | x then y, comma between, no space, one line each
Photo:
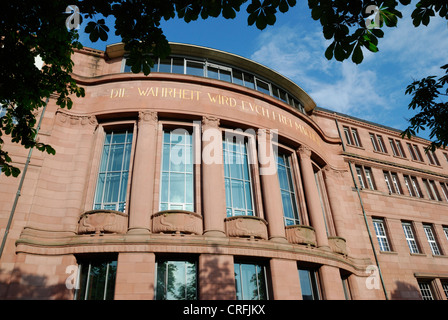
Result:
217,178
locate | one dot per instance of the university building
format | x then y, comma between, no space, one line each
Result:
217,178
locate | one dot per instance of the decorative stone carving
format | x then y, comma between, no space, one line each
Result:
177,221
147,116
338,245
301,234
246,226
210,121
304,151
76,119
103,221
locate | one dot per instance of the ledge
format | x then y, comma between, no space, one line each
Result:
32,243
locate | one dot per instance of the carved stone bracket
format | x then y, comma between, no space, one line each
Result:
103,221
246,226
147,116
338,245
304,151
74,119
301,234
210,121
177,221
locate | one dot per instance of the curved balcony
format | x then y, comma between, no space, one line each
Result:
246,227
301,234
177,221
103,221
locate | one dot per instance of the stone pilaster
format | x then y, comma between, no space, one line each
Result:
142,188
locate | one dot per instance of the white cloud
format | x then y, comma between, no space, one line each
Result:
373,90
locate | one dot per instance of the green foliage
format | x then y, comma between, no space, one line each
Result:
430,95
30,29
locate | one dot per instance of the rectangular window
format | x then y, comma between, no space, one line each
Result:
417,153
416,187
238,179
290,209
194,68
410,238
407,183
445,230
356,139
381,234
219,72
177,178
431,239
262,86
114,172
435,158
388,181
393,147
250,281
431,190
411,151
400,149
396,182
425,290
444,188
96,279
445,288
369,178
176,280
381,144
308,284
432,158
360,176
347,135
373,140
429,156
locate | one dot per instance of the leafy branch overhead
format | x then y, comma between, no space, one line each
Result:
34,28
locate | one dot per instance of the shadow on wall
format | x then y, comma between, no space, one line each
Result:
405,291
216,278
24,286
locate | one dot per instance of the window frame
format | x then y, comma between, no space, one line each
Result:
263,282
425,287
252,169
171,205
296,194
102,130
313,282
194,128
381,232
89,260
409,233
432,239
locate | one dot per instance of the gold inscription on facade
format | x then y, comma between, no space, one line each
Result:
223,100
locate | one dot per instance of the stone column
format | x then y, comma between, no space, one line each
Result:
333,183
135,279
142,187
270,185
285,280
312,197
213,183
332,283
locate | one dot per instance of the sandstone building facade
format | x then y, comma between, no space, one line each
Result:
217,178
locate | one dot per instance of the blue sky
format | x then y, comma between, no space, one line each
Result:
295,46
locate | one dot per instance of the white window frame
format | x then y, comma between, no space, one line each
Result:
410,237
432,239
381,234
